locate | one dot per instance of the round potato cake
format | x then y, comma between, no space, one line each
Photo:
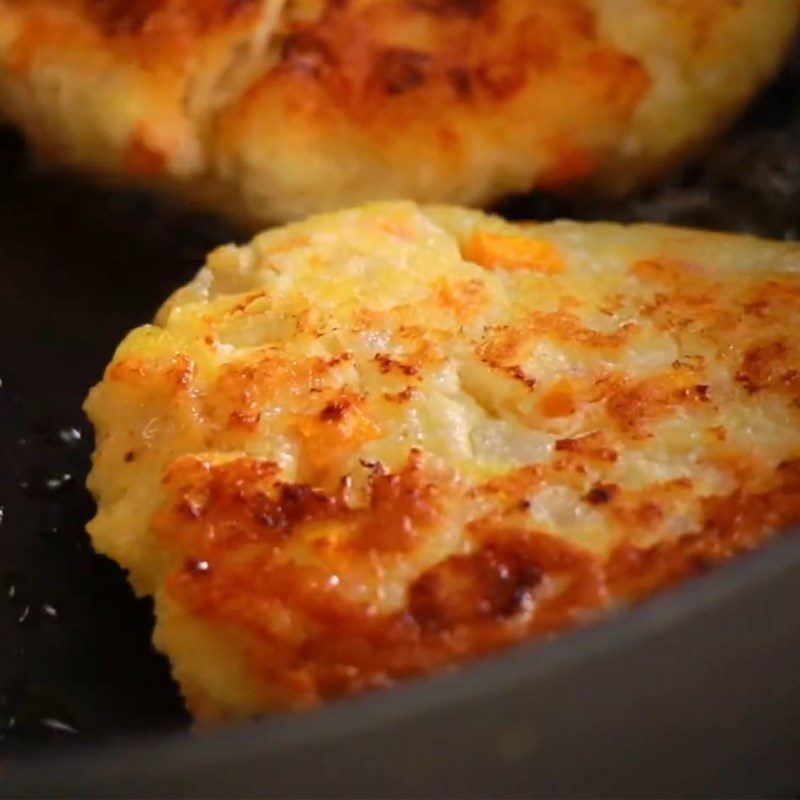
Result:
268,110
380,442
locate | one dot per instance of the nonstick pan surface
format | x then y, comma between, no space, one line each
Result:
694,693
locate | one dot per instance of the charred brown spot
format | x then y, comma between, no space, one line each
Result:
129,456
502,80
342,358
460,79
505,342
132,17
117,17
592,445
789,473
454,8
335,410
699,392
601,493
241,502
464,589
401,505
307,53
635,405
773,299
767,366
397,70
387,364
242,306
296,504
518,374
400,397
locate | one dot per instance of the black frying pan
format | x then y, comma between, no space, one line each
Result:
694,693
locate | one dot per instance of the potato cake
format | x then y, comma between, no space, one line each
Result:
380,442
268,110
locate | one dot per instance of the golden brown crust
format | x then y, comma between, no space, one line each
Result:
479,59
154,29
271,109
350,454
146,18
500,593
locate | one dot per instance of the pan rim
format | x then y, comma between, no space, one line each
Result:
84,769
